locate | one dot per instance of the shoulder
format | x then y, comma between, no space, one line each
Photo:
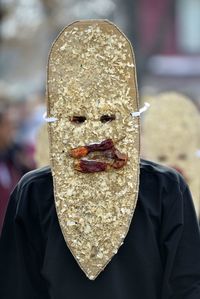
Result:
33,192
161,176
34,186
37,176
161,192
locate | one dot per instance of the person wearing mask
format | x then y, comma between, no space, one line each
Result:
99,222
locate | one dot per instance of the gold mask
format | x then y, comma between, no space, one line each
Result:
94,141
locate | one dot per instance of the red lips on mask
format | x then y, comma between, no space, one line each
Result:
100,157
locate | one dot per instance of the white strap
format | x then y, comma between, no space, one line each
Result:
143,109
198,153
137,113
49,119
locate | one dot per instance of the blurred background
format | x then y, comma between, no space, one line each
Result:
165,36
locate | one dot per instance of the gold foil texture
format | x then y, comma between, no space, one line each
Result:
91,72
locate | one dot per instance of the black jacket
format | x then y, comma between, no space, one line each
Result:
160,258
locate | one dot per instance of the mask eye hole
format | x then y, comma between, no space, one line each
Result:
106,118
162,158
77,119
182,156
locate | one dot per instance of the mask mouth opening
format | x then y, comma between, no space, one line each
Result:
98,157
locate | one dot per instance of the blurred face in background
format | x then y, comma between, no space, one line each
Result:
171,137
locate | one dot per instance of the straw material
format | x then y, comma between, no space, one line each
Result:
171,137
91,73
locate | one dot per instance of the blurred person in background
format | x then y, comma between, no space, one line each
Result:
179,120
31,111
15,159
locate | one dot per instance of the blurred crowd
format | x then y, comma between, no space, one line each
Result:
19,122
